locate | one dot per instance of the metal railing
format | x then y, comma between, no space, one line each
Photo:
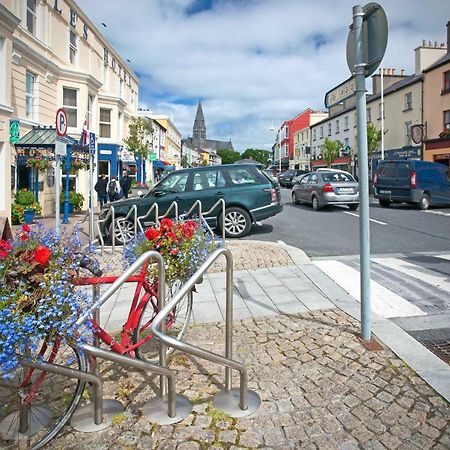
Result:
111,214
226,398
140,219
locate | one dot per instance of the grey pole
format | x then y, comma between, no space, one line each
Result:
364,234
91,196
57,193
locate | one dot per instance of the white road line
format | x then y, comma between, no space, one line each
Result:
384,302
443,256
282,242
439,213
259,224
414,271
357,215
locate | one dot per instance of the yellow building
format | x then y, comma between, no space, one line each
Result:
55,57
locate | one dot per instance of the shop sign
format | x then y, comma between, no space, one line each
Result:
14,131
126,155
152,156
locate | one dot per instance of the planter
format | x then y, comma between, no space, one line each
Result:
28,216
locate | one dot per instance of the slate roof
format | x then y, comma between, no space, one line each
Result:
43,137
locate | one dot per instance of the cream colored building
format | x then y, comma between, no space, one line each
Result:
173,140
57,58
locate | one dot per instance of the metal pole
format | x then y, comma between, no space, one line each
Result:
58,194
229,322
162,347
364,235
279,151
66,197
91,196
382,114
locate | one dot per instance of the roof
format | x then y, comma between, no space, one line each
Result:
43,137
208,144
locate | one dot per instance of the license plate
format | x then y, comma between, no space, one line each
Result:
346,189
384,191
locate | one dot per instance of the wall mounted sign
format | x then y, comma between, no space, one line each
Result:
14,131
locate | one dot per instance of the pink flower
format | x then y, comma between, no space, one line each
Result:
42,255
26,228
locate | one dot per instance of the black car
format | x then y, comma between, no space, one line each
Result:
249,194
286,178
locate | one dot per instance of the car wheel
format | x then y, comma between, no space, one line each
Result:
315,203
126,227
294,199
237,222
424,203
385,203
354,206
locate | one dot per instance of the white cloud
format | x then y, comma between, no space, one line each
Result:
253,63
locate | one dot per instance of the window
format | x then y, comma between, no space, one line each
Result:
286,131
73,41
105,123
175,182
30,95
447,119
329,129
321,132
447,81
408,101
314,135
121,88
345,123
337,126
2,70
90,109
132,99
408,133
369,115
31,16
242,176
70,106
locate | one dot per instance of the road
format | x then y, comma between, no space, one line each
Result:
410,260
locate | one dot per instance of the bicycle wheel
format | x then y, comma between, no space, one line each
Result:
35,404
176,325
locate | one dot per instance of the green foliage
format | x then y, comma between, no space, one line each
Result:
25,197
228,156
330,150
138,129
261,156
373,138
75,198
38,164
24,201
184,162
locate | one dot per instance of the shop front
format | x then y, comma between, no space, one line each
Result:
411,152
437,150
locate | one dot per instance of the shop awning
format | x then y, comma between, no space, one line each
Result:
158,164
44,138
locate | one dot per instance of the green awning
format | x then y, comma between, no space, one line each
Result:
44,138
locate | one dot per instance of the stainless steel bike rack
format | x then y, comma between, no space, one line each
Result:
132,211
178,407
140,219
111,213
235,402
173,205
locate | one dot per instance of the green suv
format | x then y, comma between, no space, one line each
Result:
249,195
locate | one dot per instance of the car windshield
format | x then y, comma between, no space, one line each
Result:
336,177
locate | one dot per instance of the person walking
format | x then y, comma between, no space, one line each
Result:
100,188
125,184
113,189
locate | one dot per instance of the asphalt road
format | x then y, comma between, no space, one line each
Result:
334,231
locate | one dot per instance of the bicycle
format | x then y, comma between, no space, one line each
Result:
30,400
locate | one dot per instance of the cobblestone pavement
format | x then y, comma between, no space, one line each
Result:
321,389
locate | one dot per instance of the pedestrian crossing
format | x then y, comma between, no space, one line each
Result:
410,285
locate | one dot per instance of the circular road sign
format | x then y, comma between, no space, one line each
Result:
61,122
374,39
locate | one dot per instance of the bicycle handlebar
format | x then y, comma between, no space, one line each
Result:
91,264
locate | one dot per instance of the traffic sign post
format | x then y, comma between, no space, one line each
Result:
92,141
340,93
60,150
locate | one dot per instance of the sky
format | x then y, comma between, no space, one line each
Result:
252,63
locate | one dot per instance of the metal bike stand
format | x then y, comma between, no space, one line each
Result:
31,419
236,403
82,417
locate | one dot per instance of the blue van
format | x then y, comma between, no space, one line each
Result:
420,183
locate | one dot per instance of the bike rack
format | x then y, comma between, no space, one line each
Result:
133,210
147,214
235,402
178,407
111,213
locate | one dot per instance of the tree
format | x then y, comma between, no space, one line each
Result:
228,156
261,156
373,138
184,162
330,150
138,129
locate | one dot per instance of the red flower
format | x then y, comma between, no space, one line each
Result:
23,236
191,224
171,235
5,247
3,253
152,234
26,228
166,223
42,255
174,251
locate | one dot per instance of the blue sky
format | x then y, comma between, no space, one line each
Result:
252,63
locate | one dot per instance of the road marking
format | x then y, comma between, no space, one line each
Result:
443,256
259,224
439,213
357,215
282,242
384,302
414,271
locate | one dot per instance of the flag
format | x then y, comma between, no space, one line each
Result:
84,133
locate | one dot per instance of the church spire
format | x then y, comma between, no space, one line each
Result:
199,124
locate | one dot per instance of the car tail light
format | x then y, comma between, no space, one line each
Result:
413,179
375,180
273,193
327,188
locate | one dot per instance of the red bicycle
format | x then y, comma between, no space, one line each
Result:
35,404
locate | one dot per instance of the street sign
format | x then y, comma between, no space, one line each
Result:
61,122
60,148
374,36
152,156
14,131
340,93
92,143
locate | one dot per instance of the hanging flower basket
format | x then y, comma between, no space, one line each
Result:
39,164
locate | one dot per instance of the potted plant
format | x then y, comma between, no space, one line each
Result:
76,200
25,207
78,164
39,164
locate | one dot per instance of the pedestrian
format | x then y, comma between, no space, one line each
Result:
125,184
113,189
100,188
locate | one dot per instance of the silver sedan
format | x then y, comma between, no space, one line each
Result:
327,188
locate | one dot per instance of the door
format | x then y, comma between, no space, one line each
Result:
209,186
302,191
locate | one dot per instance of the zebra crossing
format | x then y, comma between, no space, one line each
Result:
409,285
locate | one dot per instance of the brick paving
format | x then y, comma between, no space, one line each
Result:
321,389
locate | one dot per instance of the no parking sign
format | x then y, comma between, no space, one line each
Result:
61,122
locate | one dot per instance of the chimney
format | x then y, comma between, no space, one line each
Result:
402,72
448,36
393,71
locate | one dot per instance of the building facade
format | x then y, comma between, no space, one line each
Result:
57,58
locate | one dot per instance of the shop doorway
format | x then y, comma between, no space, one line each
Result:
104,168
24,175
